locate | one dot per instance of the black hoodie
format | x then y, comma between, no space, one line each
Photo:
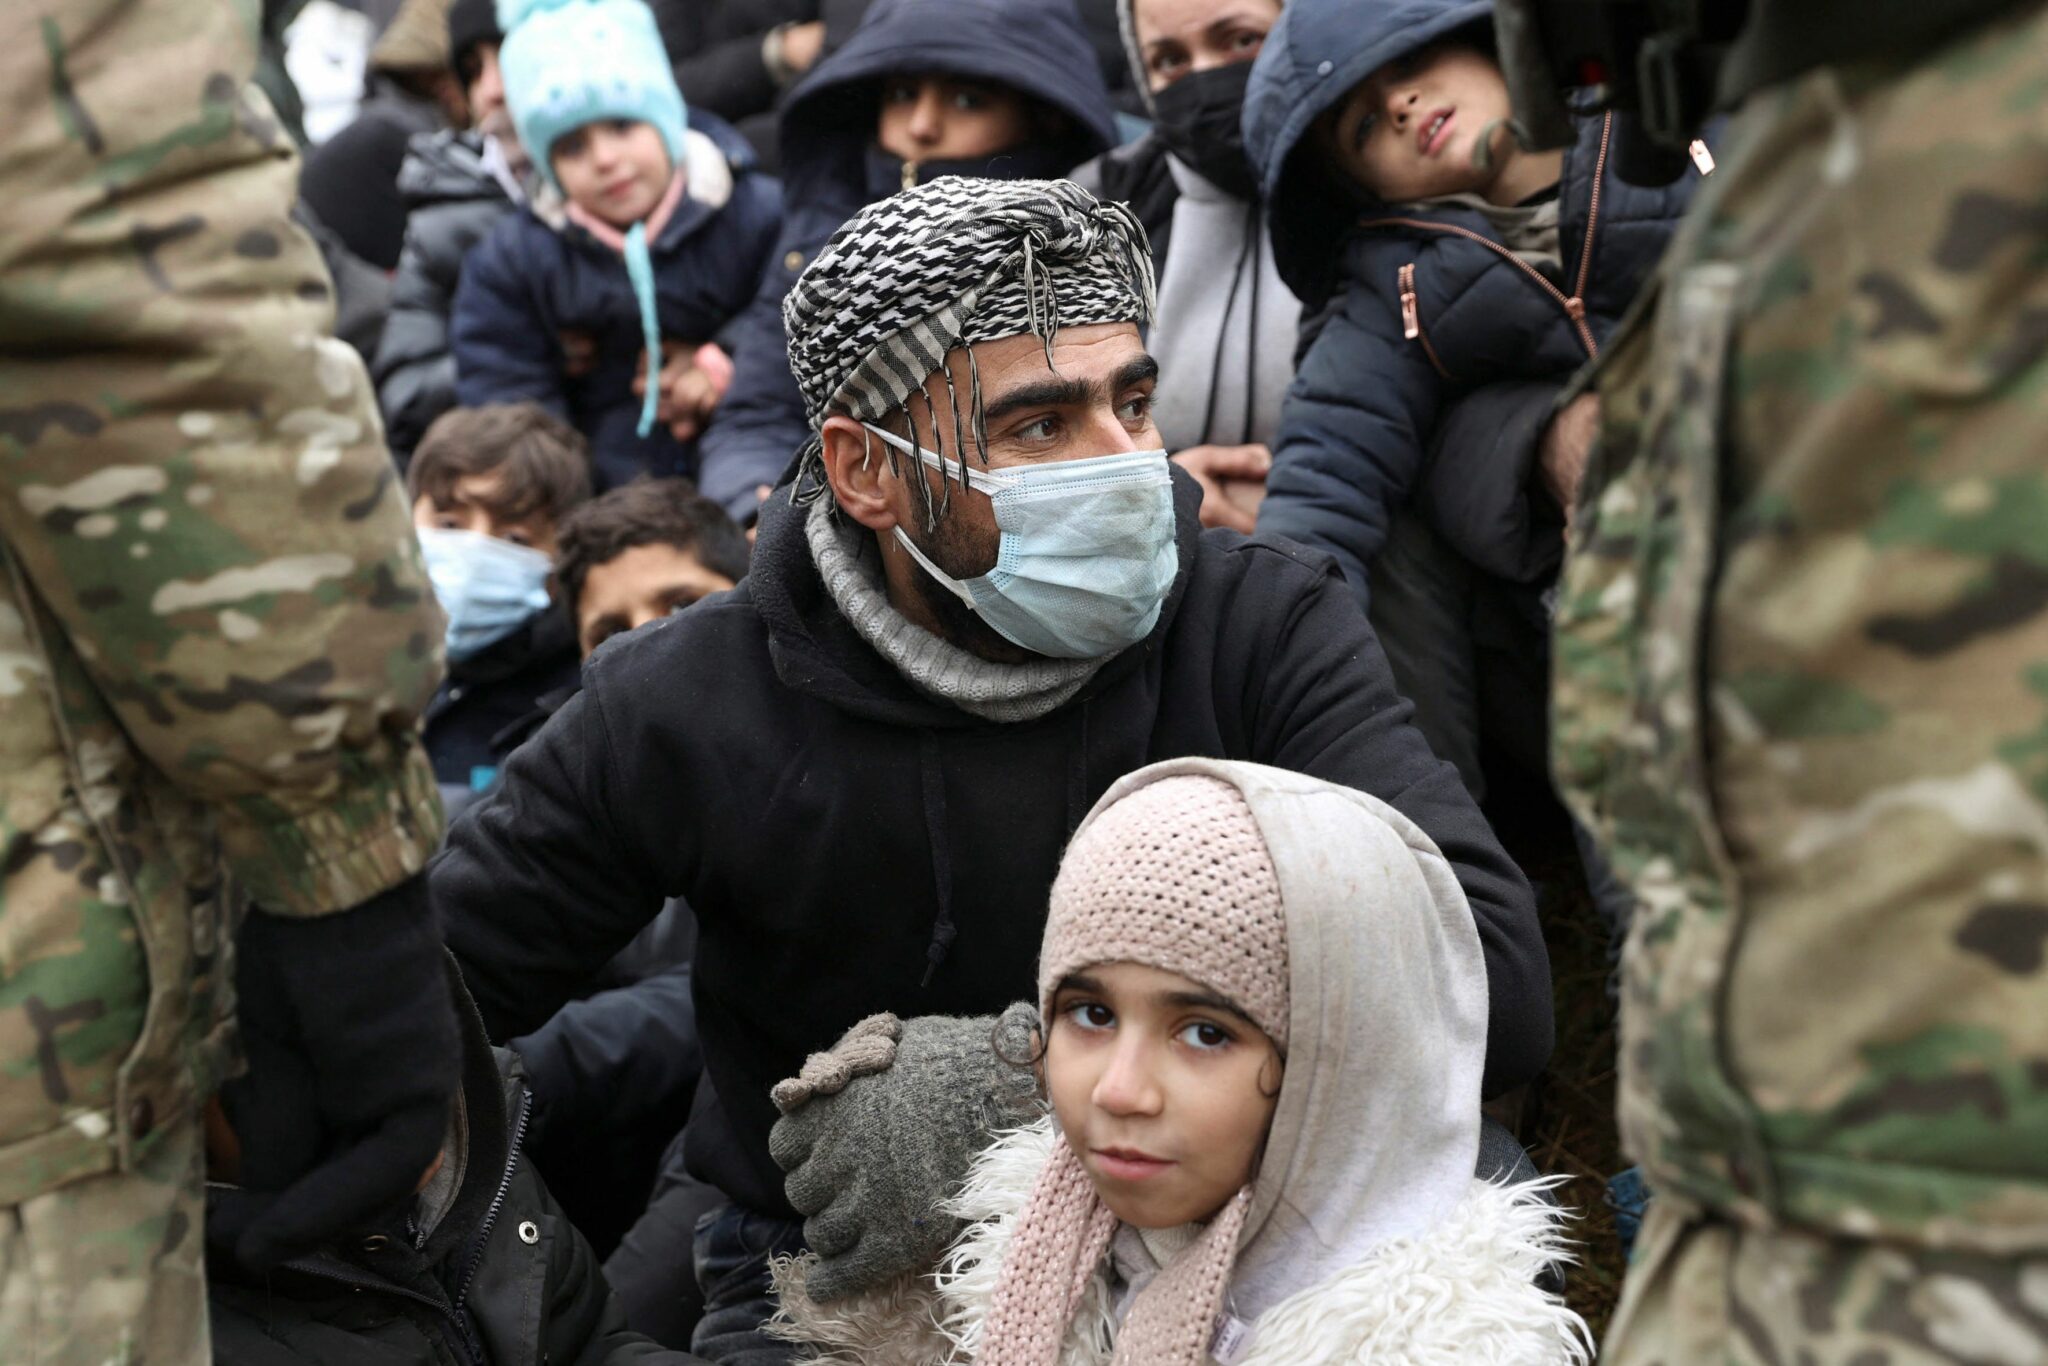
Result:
831,825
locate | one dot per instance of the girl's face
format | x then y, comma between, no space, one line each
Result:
614,169
938,118
1162,1087
1177,38
1410,130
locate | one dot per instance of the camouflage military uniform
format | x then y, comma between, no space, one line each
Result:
1802,699
215,638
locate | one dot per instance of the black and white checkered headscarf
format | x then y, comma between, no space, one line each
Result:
950,263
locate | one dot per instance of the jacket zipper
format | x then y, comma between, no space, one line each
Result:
483,1232
1574,304
1411,317
909,175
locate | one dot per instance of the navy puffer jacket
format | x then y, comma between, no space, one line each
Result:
833,168
1408,309
530,281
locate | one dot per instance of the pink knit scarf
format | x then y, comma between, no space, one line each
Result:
1060,1238
657,218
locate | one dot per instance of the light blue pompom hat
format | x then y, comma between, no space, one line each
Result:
570,62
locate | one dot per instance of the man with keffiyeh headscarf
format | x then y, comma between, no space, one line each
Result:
984,599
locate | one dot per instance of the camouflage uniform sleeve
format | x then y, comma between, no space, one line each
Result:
194,487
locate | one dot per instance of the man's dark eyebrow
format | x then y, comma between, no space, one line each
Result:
1070,393
1051,393
1137,372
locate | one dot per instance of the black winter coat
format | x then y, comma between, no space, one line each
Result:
1427,304
826,820
503,1279
528,282
493,700
452,202
832,168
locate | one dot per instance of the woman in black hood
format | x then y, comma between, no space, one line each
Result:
1008,89
1225,336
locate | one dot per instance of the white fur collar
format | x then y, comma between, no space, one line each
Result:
1464,1294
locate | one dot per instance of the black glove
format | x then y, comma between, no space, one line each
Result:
353,1055
879,1131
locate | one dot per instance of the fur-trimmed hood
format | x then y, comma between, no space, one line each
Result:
1465,1292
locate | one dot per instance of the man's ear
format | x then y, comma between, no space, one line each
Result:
857,468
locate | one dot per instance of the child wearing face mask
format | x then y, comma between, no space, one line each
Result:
1263,1009
604,298
489,486
1434,256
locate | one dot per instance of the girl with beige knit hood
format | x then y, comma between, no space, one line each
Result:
1264,1018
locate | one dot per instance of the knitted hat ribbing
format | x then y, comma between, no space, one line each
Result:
571,62
1174,876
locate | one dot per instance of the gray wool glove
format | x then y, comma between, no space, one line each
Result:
877,1132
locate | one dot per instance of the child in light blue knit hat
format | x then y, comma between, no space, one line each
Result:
619,313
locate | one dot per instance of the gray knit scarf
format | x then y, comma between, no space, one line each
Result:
937,668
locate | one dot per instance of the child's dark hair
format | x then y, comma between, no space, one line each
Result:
648,512
542,464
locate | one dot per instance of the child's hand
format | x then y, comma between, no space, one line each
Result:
693,379
1233,480
1567,442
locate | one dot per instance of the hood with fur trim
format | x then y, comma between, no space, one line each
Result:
1464,1291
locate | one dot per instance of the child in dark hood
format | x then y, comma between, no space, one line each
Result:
1433,256
603,299
997,89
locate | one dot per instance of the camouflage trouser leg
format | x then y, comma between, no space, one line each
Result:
1708,1293
110,1270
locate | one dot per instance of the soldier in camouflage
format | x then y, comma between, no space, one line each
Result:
215,640
1802,699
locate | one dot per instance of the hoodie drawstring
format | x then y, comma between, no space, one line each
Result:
640,270
934,785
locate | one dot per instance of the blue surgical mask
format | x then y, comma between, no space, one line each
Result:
488,587
1087,552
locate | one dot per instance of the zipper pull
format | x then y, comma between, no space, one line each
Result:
1411,311
909,175
1701,156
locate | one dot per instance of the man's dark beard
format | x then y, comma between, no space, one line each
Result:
953,550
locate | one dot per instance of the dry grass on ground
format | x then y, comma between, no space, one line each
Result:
1568,1119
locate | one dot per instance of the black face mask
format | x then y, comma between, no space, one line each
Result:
1200,118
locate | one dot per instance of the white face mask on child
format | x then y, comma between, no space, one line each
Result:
488,587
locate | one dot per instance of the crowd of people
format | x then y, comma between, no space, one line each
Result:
823,680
